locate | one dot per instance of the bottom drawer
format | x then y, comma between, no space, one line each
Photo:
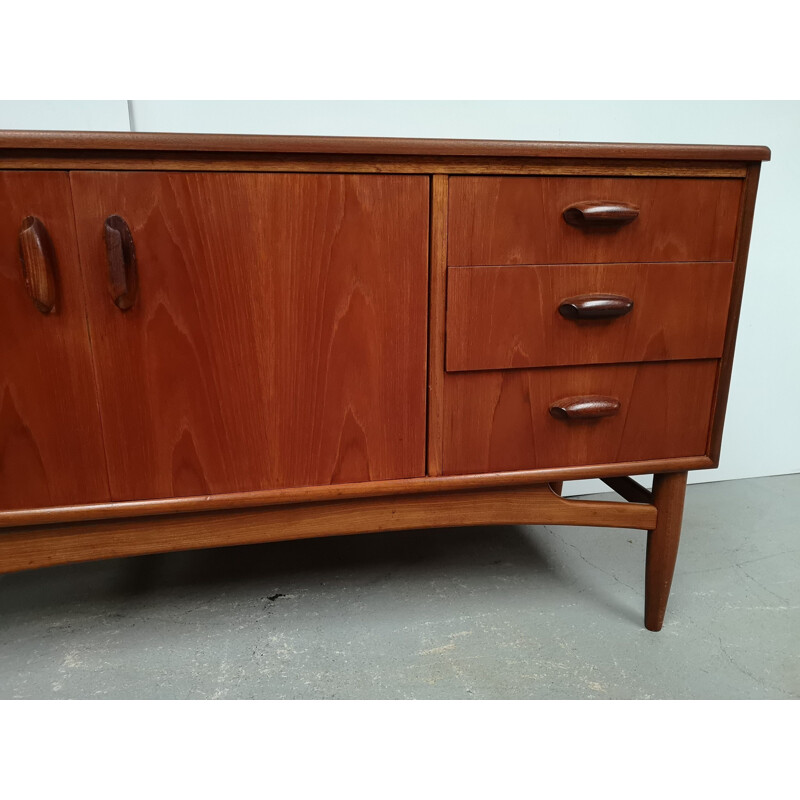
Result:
502,420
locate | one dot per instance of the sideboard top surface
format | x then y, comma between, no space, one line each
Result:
345,145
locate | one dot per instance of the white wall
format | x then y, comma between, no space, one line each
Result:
762,432
64,115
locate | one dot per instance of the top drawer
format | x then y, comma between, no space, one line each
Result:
510,220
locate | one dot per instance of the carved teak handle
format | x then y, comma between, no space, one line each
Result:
600,214
595,306
587,407
123,278
36,254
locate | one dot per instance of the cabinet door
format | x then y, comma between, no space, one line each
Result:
279,333
51,447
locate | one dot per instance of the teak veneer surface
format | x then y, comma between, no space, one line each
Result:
63,544
437,305
507,317
51,449
431,485
279,336
518,220
501,420
281,368
746,213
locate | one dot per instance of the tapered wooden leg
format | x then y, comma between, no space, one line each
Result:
669,491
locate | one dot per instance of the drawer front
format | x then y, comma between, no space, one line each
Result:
500,421
509,317
511,220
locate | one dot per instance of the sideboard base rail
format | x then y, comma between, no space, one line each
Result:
24,548
436,484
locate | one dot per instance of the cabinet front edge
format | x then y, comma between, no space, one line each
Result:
177,505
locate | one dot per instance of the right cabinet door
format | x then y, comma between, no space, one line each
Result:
272,332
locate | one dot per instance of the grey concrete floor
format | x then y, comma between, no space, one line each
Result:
492,612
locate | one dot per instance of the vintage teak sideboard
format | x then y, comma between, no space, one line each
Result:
221,340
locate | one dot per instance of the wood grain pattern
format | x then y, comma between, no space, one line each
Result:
745,228
497,221
669,491
343,145
279,334
508,317
48,546
343,491
51,450
500,420
38,263
436,322
274,362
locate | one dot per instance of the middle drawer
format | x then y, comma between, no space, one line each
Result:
560,315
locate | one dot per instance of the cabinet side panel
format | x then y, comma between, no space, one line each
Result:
51,448
746,212
279,335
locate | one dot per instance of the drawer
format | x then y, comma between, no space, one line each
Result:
511,317
511,220
499,421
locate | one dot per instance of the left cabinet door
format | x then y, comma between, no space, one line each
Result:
51,444
256,331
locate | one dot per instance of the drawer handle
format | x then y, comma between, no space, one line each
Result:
36,254
593,214
595,306
588,407
123,278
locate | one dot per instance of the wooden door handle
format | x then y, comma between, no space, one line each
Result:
38,261
588,407
595,306
600,214
123,277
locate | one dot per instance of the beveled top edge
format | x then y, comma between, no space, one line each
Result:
357,145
